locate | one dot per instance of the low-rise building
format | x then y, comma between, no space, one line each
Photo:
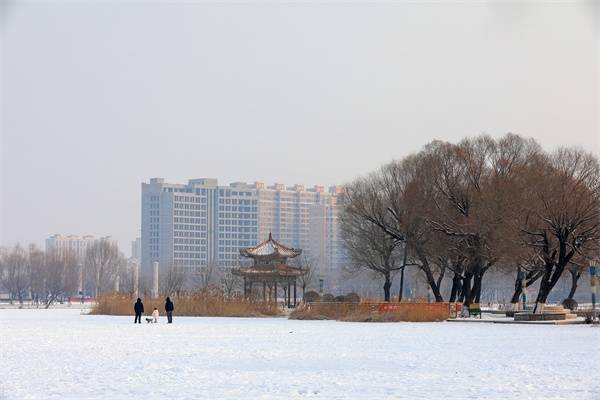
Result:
74,243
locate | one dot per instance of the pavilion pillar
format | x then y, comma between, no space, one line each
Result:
294,293
288,294
264,291
245,289
275,297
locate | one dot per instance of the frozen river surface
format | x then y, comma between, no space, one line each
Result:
60,354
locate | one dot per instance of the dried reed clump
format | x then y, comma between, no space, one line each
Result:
313,297
196,305
371,312
329,310
397,316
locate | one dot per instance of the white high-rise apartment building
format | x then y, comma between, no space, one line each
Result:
194,224
136,249
74,243
325,239
285,212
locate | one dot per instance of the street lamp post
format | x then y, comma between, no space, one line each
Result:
401,290
321,284
593,280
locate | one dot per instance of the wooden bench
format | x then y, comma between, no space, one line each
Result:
475,309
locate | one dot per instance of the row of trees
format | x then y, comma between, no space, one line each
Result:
44,277
27,273
459,210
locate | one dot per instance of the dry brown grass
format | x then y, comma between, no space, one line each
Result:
372,312
196,305
330,310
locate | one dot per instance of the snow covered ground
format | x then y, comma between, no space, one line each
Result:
60,354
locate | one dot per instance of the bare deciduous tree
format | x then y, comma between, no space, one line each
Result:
230,283
370,248
307,263
394,200
61,275
203,277
173,281
102,265
15,277
476,197
127,276
528,271
36,273
576,269
561,218
481,203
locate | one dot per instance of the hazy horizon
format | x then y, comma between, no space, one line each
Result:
99,97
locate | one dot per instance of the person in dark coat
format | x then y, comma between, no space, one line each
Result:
169,309
138,307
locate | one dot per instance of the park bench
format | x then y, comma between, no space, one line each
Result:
475,309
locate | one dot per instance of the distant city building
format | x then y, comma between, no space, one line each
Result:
136,249
74,243
200,223
326,248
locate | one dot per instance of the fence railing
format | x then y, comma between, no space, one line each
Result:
375,311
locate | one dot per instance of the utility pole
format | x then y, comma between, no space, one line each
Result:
401,290
593,279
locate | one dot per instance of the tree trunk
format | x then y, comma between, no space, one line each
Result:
575,275
545,288
97,284
437,294
551,276
542,294
473,295
50,300
430,278
462,291
456,287
531,278
386,288
466,293
434,287
518,288
476,291
401,290
552,272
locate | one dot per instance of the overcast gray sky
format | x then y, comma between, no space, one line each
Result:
97,97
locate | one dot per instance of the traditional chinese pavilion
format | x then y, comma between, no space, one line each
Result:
270,269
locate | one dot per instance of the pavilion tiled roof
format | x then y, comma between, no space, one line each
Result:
280,270
270,248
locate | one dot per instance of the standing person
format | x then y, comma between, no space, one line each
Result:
169,309
155,315
138,308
